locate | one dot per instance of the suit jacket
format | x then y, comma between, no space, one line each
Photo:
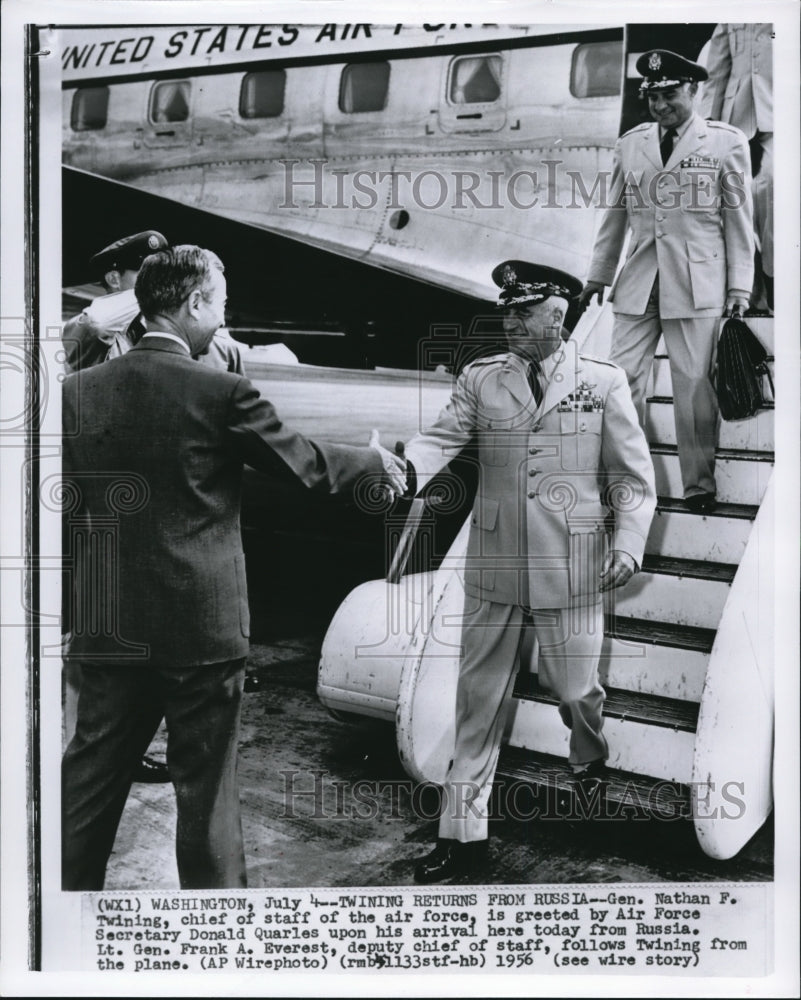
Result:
740,85
690,221
538,531
154,445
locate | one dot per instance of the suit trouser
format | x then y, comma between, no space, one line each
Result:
570,646
691,345
119,710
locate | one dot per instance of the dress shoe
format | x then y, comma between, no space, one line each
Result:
586,789
151,771
595,773
450,858
701,503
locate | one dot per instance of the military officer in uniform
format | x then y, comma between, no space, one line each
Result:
682,186
558,439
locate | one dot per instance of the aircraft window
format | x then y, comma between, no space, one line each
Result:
89,109
262,94
170,101
596,69
364,87
475,80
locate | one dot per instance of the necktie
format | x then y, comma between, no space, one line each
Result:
666,145
534,381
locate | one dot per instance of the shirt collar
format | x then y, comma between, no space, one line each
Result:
169,336
680,129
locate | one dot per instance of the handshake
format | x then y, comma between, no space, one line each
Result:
394,466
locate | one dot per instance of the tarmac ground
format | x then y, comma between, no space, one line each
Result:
325,803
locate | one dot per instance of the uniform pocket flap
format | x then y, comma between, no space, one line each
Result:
485,513
587,515
698,252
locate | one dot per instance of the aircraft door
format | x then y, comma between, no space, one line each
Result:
169,115
473,95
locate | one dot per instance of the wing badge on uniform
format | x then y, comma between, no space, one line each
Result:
582,400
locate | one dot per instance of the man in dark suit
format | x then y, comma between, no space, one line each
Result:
154,445
106,329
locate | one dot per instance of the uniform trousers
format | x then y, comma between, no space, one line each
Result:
119,710
569,641
691,345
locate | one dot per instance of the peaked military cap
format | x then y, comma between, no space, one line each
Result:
128,253
663,70
521,282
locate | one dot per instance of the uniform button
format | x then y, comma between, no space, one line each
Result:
531,495
533,472
660,218
660,234
534,451
536,427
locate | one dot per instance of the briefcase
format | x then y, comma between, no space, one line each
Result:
742,363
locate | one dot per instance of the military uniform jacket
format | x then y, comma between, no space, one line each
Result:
740,85
154,445
538,526
690,221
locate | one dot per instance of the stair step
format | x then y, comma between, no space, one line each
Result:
752,434
657,658
628,706
699,569
636,791
720,537
659,382
661,751
667,634
741,476
682,591
648,668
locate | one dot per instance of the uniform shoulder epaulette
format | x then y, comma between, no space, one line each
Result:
726,127
490,359
637,128
599,361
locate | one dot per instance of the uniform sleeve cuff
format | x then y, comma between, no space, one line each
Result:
630,542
